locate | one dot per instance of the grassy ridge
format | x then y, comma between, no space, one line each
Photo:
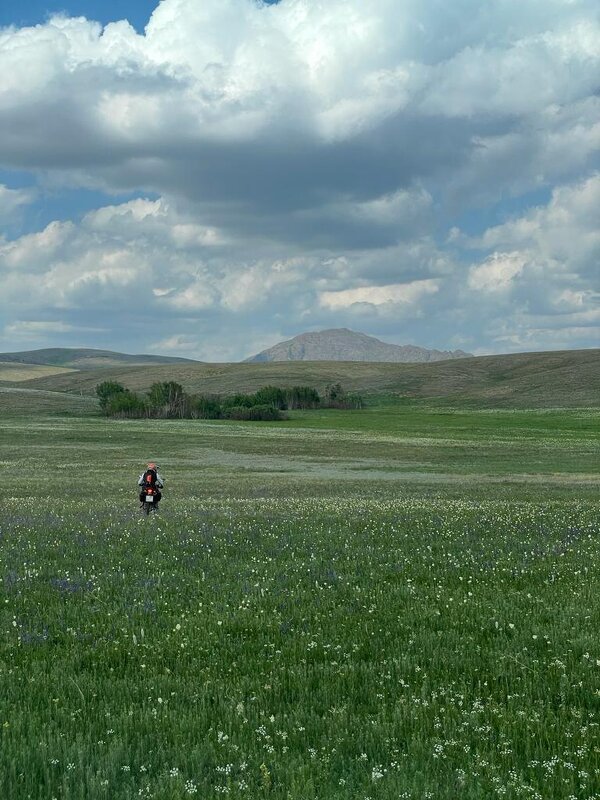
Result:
544,380
11,372
85,358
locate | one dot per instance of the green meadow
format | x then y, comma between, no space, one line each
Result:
397,602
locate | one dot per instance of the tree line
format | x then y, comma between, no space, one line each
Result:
168,400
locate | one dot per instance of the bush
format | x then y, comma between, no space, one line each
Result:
337,397
106,391
302,397
354,400
270,396
168,399
333,393
205,407
262,413
239,400
126,404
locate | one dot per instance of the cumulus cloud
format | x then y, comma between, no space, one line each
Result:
397,295
545,263
563,234
128,266
304,163
301,99
497,272
147,263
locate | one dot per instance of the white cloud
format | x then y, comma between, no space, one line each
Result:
525,75
210,85
122,263
36,250
35,327
26,332
302,161
395,294
542,282
560,239
13,200
497,272
574,301
129,263
177,343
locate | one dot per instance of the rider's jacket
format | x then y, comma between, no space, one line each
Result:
159,480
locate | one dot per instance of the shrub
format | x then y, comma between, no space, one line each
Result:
354,400
333,393
205,407
263,413
106,391
239,400
167,399
126,404
270,396
337,397
302,397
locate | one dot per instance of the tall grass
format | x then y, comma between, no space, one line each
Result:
290,636
326,649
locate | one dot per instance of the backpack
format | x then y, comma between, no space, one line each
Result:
149,478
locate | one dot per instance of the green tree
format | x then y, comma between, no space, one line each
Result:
125,404
107,390
334,394
337,397
302,397
167,399
270,396
205,407
239,400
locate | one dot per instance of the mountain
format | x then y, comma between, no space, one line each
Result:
342,344
80,358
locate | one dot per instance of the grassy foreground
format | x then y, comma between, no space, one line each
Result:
389,604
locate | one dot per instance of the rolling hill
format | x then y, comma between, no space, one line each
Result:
569,379
342,344
13,372
14,400
81,358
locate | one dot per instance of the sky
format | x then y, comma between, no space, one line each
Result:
205,178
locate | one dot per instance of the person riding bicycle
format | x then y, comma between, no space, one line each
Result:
151,479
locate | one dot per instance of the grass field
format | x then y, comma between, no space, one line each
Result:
15,373
399,602
32,403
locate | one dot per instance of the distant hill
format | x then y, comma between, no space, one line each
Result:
81,358
565,379
14,371
342,344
